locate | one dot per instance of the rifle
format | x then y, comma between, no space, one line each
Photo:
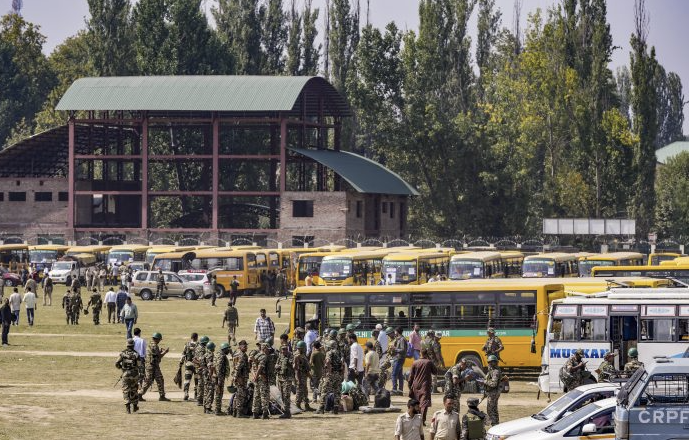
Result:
119,379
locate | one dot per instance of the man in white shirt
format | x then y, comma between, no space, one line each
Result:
15,303
140,348
310,337
129,315
445,424
383,338
111,303
356,366
372,370
30,304
408,425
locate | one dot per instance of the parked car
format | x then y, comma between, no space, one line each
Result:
565,405
10,278
591,421
145,283
199,278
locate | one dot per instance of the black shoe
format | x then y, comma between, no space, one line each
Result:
266,416
320,410
185,398
219,413
257,415
199,404
129,411
285,415
163,399
141,398
136,408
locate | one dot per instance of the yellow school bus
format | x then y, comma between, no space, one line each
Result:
460,310
414,267
14,256
586,264
678,261
98,251
550,265
164,249
126,253
227,264
351,268
678,272
309,264
589,285
44,255
476,265
656,258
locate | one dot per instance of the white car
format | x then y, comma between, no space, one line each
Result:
198,279
566,404
593,421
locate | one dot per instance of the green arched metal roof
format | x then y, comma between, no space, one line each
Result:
201,93
364,175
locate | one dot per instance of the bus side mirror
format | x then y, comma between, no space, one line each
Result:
279,309
532,346
589,428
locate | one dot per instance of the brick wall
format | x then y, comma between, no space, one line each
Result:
31,217
329,215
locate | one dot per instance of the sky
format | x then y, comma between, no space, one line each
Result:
668,27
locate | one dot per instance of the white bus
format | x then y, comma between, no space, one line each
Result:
653,320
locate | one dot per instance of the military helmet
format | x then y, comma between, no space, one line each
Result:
632,352
301,344
492,358
342,331
157,336
211,346
472,401
334,333
204,340
243,342
350,327
390,330
269,342
130,342
225,346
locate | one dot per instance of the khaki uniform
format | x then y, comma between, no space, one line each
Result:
240,378
221,372
286,375
189,370
200,371
128,363
492,389
153,369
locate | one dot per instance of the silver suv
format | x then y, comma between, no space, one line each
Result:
145,283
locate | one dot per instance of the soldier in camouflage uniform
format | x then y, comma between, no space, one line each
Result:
606,369
493,386
493,344
286,374
633,364
474,422
302,375
221,369
75,304
65,305
187,361
271,362
232,318
261,387
154,356
571,372
160,285
332,377
343,346
454,382
200,369
240,378
128,363
209,381
386,363
96,304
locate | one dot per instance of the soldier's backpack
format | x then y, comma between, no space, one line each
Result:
475,427
382,399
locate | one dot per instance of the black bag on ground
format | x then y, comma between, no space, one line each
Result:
330,402
382,399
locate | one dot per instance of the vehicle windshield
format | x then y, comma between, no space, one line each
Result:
120,256
559,405
539,268
309,265
585,267
62,265
150,257
575,417
400,271
632,386
42,256
336,269
465,269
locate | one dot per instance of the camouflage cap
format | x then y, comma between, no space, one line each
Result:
342,331
265,346
130,342
491,330
243,342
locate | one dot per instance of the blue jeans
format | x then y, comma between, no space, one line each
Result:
129,323
15,317
415,354
396,375
30,316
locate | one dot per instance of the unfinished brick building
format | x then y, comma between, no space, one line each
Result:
217,157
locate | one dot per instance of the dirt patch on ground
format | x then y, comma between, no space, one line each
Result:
10,413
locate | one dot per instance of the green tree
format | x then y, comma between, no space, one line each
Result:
274,38
193,45
110,34
239,32
25,75
294,44
343,36
310,50
671,188
669,107
152,46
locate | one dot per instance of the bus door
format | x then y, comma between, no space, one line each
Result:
623,330
309,311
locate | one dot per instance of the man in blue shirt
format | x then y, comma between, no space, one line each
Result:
310,337
120,300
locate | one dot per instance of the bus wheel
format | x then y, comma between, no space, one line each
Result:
472,359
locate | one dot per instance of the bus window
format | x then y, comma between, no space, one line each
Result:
306,312
432,316
564,329
657,330
515,315
389,316
474,316
339,316
682,329
593,329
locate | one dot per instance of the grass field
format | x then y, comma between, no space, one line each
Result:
56,381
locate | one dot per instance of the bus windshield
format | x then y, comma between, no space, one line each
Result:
538,268
309,265
116,257
400,270
42,256
585,267
465,269
336,268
